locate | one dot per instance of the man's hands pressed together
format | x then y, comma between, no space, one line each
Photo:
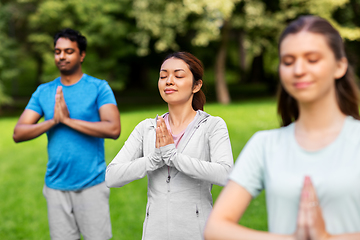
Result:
61,112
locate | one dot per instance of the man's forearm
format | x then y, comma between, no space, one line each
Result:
101,129
24,132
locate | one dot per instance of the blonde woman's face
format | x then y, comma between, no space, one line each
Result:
308,68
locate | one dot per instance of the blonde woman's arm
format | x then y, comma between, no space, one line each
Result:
228,209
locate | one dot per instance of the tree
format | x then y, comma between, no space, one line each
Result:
104,23
261,22
202,21
126,38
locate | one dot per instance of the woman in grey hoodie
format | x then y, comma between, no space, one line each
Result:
183,153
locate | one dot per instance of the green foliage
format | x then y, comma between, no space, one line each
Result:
264,25
156,19
8,53
104,23
163,20
262,22
121,33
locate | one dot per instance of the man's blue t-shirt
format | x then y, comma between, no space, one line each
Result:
76,160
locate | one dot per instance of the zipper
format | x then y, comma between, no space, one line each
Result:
182,149
168,179
146,219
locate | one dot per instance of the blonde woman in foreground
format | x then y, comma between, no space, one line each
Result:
310,168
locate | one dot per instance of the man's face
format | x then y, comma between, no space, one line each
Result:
67,56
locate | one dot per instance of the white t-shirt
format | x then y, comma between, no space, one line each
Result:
273,160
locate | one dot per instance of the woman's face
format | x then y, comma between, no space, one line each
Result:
308,68
176,82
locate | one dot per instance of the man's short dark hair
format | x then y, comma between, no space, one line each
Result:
73,36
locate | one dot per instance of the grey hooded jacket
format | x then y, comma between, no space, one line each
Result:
179,180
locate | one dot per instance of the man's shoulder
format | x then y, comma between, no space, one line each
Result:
48,85
94,80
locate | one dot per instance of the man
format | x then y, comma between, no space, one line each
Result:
79,111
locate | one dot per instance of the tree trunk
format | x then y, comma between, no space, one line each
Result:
356,8
137,76
222,92
257,73
242,54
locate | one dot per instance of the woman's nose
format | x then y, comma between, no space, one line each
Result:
299,67
170,80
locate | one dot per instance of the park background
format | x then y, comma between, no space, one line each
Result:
127,41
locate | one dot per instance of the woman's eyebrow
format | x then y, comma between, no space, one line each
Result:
306,54
176,70
312,53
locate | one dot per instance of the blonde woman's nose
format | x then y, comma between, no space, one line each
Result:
299,67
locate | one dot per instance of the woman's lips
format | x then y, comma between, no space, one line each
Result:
168,91
302,85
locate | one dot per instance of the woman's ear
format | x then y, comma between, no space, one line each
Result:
197,86
341,68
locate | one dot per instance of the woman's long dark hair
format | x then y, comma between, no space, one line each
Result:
197,70
345,87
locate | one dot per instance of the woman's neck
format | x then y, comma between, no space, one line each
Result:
319,123
180,116
320,115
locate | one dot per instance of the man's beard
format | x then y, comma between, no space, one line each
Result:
71,71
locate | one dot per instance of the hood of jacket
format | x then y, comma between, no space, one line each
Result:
202,116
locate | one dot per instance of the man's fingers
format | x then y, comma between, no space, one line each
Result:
60,95
59,89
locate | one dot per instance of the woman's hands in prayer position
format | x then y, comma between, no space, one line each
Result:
163,135
310,222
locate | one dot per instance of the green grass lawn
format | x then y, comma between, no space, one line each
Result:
23,213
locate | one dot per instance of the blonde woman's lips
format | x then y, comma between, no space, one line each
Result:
302,85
